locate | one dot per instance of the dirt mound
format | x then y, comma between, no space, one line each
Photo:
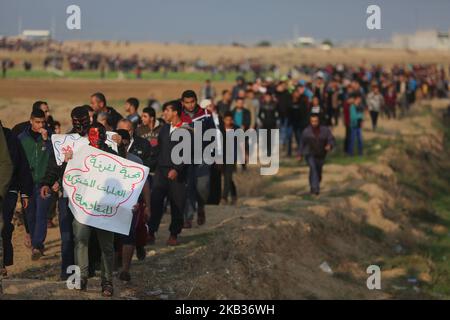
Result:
277,250
269,257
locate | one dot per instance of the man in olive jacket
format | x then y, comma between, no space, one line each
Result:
36,143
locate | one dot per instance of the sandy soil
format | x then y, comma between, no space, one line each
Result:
63,95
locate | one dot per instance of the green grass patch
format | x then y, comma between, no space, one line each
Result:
364,195
291,163
343,193
437,247
372,232
112,75
275,179
270,196
308,197
371,150
346,277
199,239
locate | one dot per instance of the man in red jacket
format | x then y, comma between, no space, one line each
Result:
198,175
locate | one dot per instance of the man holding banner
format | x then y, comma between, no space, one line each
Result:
82,232
103,189
52,180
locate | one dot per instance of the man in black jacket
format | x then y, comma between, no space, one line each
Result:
98,103
170,178
138,146
224,105
298,117
149,130
240,85
315,143
21,182
137,236
5,176
284,103
141,148
268,115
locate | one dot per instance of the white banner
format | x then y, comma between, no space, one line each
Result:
65,142
103,188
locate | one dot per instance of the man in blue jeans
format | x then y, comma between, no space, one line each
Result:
356,119
315,143
36,143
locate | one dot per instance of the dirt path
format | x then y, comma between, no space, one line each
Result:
271,245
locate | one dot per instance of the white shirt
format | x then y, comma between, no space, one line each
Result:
131,143
215,117
315,109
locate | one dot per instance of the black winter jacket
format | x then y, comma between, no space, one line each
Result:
21,180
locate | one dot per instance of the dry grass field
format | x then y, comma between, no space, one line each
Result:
280,55
18,95
283,56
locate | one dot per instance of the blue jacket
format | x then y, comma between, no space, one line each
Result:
356,117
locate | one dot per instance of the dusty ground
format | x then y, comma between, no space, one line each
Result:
272,244
63,95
